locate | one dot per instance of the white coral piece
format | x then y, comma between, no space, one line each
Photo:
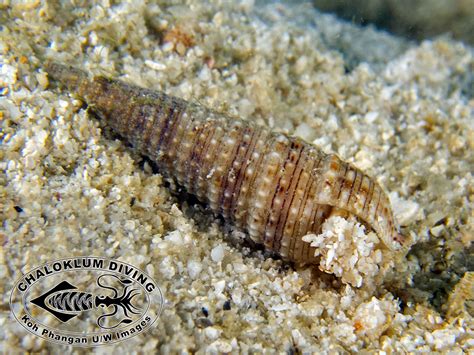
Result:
346,250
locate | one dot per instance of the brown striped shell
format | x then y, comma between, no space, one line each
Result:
274,187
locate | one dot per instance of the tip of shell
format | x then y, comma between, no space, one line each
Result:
66,75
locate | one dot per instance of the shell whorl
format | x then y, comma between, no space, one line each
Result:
274,187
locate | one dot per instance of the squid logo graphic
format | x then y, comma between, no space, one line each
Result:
86,301
64,302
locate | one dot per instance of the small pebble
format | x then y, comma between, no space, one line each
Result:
217,253
226,306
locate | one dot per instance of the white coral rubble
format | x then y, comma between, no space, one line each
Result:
346,250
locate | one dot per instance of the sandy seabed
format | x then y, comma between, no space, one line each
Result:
401,111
